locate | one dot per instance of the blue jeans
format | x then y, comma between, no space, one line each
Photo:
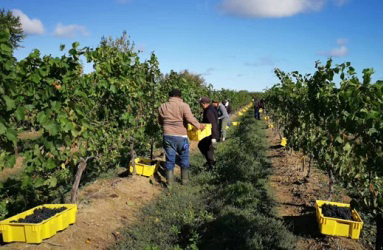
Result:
174,145
229,122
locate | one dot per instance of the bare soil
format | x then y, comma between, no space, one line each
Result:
105,207
296,195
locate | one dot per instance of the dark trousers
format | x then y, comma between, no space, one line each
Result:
207,149
256,114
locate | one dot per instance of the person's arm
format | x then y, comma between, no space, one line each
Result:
214,125
224,112
160,120
189,117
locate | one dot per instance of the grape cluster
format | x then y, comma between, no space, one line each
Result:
337,212
40,214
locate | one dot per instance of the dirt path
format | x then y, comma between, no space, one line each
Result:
105,207
296,197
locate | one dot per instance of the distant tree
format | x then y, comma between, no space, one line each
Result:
122,43
197,79
13,24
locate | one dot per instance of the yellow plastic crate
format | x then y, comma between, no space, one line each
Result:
235,123
283,142
338,227
37,232
240,113
144,167
197,135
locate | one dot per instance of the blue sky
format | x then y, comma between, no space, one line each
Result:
234,44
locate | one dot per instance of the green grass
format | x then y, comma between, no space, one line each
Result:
228,208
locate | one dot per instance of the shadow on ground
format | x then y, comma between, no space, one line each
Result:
304,225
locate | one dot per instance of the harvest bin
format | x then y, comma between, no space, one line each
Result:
338,227
197,135
144,166
37,232
283,142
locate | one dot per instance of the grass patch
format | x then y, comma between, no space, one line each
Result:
228,208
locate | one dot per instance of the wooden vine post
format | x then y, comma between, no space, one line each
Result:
76,183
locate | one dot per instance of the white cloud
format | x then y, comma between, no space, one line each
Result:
29,26
341,51
70,31
274,8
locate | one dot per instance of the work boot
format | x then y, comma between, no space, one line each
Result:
169,174
185,174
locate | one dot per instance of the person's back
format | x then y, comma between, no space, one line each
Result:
174,116
210,115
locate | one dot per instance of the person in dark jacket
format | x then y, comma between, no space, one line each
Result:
257,106
207,144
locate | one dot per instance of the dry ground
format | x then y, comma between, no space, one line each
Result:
296,195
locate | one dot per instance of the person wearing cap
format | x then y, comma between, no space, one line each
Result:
223,118
174,117
207,144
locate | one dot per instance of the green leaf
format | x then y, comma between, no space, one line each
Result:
20,114
35,78
67,126
39,182
3,128
339,139
41,117
347,147
9,102
11,134
26,181
62,47
50,164
51,127
372,131
51,182
5,47
9,161
113,88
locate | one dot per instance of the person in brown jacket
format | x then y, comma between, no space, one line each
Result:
174,117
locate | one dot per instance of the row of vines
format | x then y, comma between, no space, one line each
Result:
55,119
339,127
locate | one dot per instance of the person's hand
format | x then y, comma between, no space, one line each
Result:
202,127
214,142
